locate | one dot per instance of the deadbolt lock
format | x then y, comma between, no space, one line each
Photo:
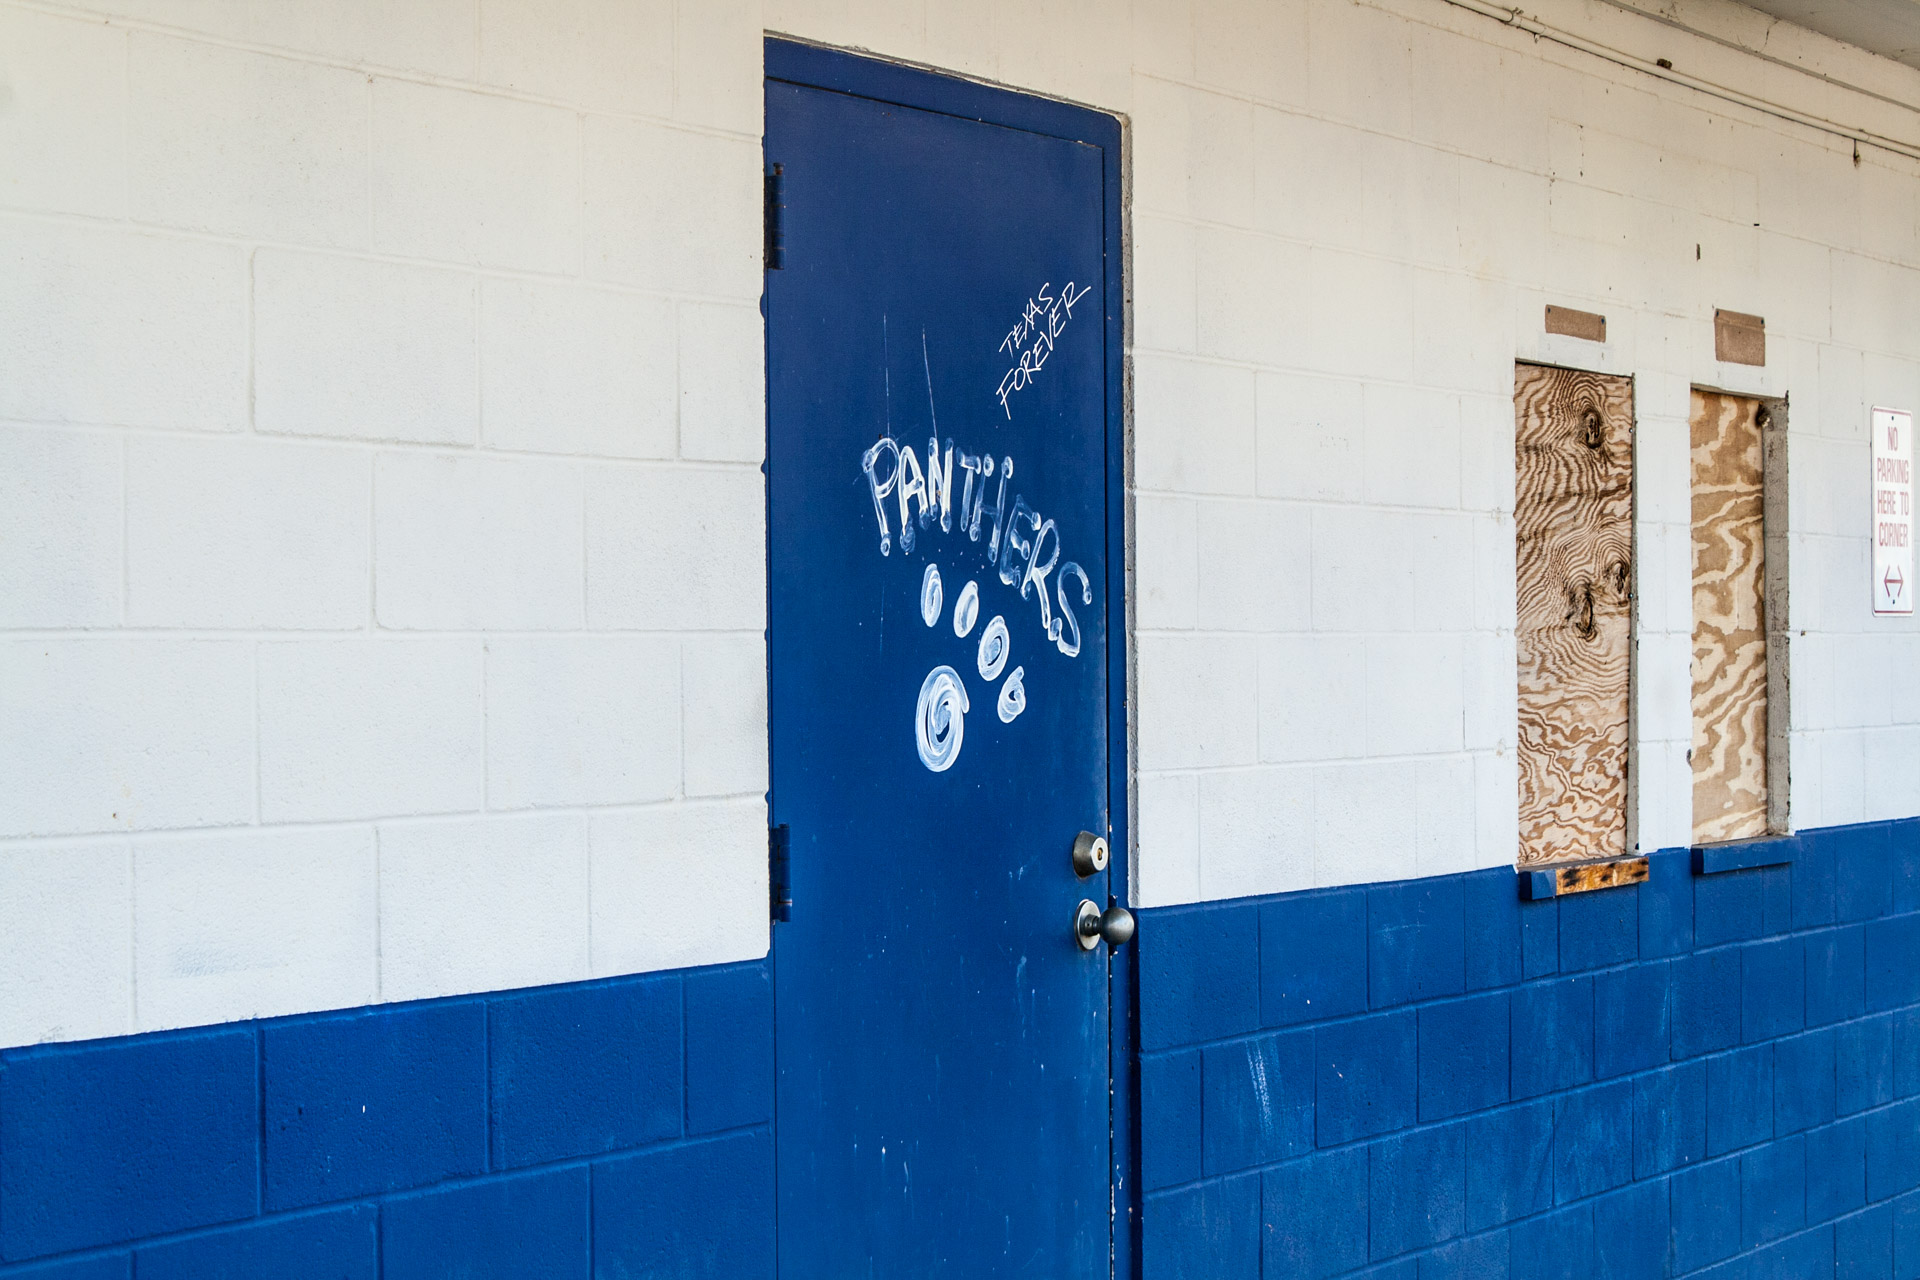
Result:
1089,854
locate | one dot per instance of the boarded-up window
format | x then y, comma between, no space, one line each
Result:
1729,621
1573,523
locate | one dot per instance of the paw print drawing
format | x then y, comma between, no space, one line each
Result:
940,716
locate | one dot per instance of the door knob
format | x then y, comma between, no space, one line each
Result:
1089,855
1091,924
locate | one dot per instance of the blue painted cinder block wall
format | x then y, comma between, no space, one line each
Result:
612,1129
1701,1076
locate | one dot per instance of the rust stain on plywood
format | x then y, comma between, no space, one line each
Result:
1573,526
1729,621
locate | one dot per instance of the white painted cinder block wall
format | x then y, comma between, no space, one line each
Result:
381,539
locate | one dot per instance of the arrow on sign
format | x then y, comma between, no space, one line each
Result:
1893,582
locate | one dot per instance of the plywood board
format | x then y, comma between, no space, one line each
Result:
1729,621
1573,526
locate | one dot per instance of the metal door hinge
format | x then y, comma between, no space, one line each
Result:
779,879
776,245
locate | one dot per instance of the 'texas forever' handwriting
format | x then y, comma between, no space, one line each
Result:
1030,342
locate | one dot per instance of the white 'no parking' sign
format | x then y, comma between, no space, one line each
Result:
1892,511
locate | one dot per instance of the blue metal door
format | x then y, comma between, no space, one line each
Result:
940,381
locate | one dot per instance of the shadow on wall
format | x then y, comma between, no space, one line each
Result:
1433,1078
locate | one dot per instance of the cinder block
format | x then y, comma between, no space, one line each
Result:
679,885
1164,284
1209,1229
1599,929
723,682
1552,1036
569,369
1773,1191
1363,826
1411,446
1313,698
1772,988
1256,832
1308,432
1168,839
1313,957
118,735
1557,1244
470,543
1669,1119
1632,1017
363,728
1863,871
482,904
1416,944
1315,1214
1863,1064
597,54
289,914
66,956
1416,1190
368,1102
60,535
1863,1245
434,35
704,534
709,1200
1368,1082
583,720
580,1071
1739,1099
341,1243
1199,975
363,350
723,414
63,139
1706,1003
1166,562
1262,54
1905,839
119,1141
1704,1228
1906,1052
230,533
1592,1140
1194,708
290,166
441,154
1169,391
1416,697
1170,1095
1813,880
717,78
1893,962
1492,903
530,1224
673,210
1632,1231
1836,1169
1509,1164
1906,1232
1893,1149
1539,937
99,324
1729,907
1254,566
729,1048
1803,1082
1258,1105
1463,1055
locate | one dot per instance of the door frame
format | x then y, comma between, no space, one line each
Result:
798,62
